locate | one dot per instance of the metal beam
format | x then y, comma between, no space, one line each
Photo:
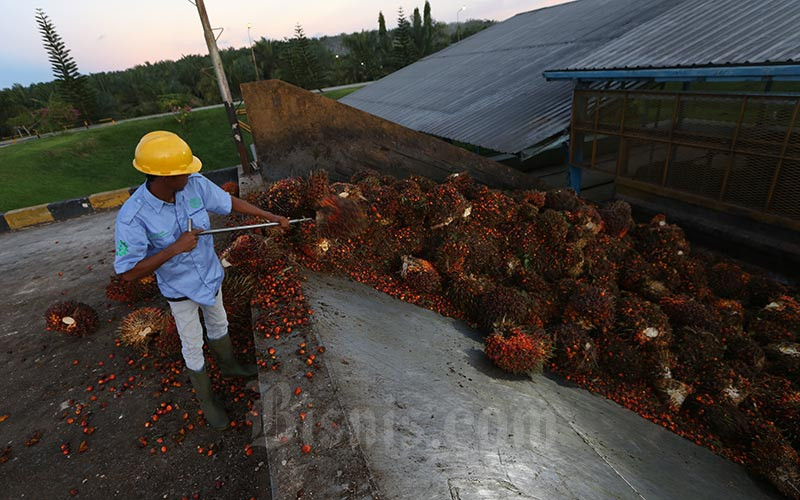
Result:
788,72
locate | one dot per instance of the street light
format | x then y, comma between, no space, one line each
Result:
255,66
458,25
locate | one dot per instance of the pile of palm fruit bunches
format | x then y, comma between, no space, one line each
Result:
685,337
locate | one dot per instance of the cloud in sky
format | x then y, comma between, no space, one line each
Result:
108,35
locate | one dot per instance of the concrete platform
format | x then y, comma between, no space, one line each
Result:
436,420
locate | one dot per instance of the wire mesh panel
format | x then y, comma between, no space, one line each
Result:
785,200
746,186
726,151
644,161
698,171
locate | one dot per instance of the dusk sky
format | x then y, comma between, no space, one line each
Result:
112,35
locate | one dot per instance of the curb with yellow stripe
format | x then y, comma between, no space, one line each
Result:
68,209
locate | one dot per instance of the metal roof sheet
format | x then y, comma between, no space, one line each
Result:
488,90
706,33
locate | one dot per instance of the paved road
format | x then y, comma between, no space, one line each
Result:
436,420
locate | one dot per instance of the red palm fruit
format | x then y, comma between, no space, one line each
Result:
251,252
426,184
138,327
384,203
697,351
778,321
729,281
231,187
518,350
773,457
661,243
72,318
584,224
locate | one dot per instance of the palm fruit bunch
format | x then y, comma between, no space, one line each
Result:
731,316
729,281
384,204
773,457
528,204
285,196
784,360
741,347
446,205
366,178
251,252
584,224
644,322
138,327
763,289
465,292
237,290
465,184
493,208
519,350
132,292
591,307
617,219
167,342
339,218
672,391
506,305
419,274
697,351
694,278
575,352
562,200
412,202
75,319
685,311
661,243
778,321
317,188
603,257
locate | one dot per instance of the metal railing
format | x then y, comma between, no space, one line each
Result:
731,152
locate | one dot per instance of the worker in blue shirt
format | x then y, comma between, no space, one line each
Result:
154,234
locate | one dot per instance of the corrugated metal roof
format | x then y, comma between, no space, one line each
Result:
706,33
488,90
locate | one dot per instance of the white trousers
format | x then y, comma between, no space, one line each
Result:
187,319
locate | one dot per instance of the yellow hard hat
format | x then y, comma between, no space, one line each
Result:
164,153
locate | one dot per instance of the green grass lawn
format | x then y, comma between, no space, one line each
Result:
77,164
338,94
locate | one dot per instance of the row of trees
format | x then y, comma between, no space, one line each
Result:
167,85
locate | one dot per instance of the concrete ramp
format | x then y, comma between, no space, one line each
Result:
435,419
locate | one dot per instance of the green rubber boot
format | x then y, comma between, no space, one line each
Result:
213,411
228,364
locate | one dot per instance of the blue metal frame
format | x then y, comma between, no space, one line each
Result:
784,72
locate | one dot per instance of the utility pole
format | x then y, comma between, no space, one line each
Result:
224,90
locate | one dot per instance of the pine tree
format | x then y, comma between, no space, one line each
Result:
416,30
427,30
403,50
383,35
302,63
72,86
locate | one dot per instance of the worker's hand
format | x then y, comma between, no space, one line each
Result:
283,221
187,241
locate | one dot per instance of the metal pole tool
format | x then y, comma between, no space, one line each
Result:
251,226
